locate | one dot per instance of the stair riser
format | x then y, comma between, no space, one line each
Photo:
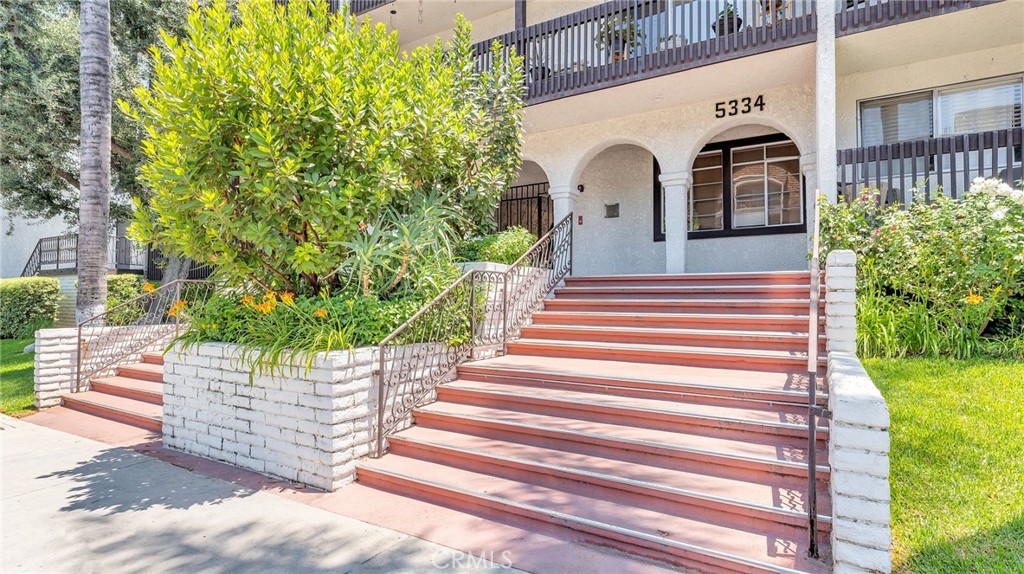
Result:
682,293
609,447
668,321
660,356
140,374
555,525
650,306
640,495
654,389
137,394
113,414
672,422
153,359
568,333
690,281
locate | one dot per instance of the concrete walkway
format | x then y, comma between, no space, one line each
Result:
70,504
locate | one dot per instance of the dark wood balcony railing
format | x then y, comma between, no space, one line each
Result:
360,6
925,169
860,15
624,41
58,255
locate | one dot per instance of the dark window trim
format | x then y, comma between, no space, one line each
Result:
659,190
725,147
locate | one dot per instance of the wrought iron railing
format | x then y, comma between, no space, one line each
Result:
59,254
924,169
148,322
527,206
813,410
482,309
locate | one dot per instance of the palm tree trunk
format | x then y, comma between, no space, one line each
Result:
94,196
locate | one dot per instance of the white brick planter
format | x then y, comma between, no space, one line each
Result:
55,358
308,426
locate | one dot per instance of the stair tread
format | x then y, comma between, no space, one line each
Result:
794,335
690,276
730,351
784,493
653,287
143,367
662,316
785,384
787,456
131,383
760,546
135,407
154,358
767,414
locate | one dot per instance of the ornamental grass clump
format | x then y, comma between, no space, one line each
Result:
939,278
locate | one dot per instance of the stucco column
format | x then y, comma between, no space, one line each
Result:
825,99
677,189
809,169
563,198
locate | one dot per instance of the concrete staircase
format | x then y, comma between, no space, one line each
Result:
134,395
662,416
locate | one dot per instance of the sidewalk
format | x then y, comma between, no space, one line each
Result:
70,504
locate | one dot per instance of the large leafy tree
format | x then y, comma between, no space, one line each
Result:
294,147
39,100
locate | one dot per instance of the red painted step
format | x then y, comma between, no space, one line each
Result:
688,541
145,371
138,389
718,306
153,358
714,279
736,322
138,413
767,340
684,292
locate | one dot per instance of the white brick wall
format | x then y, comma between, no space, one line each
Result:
841,301
55,357
859,458
305,426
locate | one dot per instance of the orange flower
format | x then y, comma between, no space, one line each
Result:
270,296
266,306
973,299
148,287
247,300
321,312
287,297
177,308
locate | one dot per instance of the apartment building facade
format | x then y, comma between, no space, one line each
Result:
690,136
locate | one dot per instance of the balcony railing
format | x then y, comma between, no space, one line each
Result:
624,41
360,6
926,169
860,15
57,255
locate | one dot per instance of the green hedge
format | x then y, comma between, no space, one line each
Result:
121,289
504,247
27,304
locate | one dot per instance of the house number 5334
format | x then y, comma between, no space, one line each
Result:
740,106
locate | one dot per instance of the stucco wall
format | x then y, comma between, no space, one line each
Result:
16,248
624,244
787,252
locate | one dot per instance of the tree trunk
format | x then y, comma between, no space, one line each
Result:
94,153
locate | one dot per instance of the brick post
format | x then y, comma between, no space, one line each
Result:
841,301
55,360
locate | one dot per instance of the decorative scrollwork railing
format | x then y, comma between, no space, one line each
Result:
481,309
148,322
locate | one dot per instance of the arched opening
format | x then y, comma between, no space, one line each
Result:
619,213
526,203
747,199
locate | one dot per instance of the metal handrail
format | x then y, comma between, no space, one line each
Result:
113,345
812,383
482,308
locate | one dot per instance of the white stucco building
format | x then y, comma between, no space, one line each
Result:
687,138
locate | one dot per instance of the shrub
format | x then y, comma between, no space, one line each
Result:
27,304
121,289
939,278
299,150
504,247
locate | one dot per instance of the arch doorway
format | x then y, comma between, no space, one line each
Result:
527,203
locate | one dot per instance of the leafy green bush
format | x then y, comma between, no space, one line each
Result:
305,151
27,304
121,289
504,247
945,278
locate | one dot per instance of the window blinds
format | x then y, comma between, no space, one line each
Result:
897,119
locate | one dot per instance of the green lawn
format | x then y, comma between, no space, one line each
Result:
16,380
957,464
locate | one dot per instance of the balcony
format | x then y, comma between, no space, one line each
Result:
620,42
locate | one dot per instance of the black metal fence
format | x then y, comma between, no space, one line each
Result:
526,206
925,169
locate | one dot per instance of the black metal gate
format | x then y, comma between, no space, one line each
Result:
527,206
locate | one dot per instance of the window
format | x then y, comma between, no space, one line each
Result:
963,109
747,187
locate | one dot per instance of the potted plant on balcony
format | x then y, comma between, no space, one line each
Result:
728,21
671,42
620,36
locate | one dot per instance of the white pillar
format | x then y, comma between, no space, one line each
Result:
809,169
677,189
825,99
563,198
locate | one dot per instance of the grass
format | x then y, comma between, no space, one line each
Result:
16,378
957,464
